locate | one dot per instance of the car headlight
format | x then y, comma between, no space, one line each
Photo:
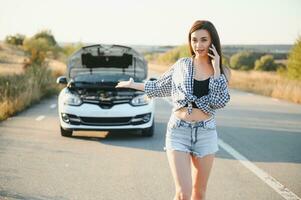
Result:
140,100
71,99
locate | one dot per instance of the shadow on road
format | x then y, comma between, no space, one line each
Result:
131,139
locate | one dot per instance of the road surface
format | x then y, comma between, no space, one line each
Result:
259,156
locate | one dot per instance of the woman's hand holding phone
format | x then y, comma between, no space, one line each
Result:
215,60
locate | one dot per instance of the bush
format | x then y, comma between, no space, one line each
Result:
225,60
243,60
151,57
173,55
54,48
37,50
266,63
15,39
294,61
47,35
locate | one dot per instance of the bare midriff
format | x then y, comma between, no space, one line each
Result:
196,115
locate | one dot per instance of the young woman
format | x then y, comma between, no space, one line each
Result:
198,86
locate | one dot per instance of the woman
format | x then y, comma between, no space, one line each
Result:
198,86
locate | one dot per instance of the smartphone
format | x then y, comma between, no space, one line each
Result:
210,51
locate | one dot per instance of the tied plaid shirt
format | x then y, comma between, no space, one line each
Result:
177,82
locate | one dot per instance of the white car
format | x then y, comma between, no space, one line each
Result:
90,100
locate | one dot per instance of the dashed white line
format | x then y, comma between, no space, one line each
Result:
53,106
39,118
269,180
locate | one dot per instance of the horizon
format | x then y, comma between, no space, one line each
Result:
180,44
91,43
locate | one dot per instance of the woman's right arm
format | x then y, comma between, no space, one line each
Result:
161,87
130,84
157,88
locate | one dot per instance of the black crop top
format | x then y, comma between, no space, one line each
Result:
200,88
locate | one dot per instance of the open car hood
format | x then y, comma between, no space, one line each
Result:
106,63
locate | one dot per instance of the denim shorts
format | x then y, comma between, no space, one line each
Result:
197,138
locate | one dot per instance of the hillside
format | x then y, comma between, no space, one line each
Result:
12,59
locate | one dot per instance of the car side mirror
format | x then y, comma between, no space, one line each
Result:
152,79
61,80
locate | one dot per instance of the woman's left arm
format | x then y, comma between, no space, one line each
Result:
218,85
218,94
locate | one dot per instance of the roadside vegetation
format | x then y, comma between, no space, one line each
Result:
29,67
275,75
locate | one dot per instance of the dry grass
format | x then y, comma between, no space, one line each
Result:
268,84
20,88
8,68
11,60
58,68
157,67
19,91
264,83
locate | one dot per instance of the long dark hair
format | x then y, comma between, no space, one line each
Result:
207,25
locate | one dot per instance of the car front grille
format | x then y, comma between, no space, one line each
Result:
106,121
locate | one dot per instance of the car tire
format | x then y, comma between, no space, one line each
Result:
66,133
149,132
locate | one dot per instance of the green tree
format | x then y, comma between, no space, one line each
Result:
294,60
266,63
48,36
15,39
243,60
54,48
225,60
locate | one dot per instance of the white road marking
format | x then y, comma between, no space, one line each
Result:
269,180
265,177
274,99
41,117
53,106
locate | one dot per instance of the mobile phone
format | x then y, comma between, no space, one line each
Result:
210,51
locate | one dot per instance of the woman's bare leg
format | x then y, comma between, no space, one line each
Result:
201,168
180,165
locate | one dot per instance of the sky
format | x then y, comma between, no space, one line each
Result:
153,22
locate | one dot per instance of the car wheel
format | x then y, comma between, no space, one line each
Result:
149,132
66,133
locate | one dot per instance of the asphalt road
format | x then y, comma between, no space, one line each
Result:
257,134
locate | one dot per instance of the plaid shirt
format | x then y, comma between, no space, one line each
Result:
177,82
